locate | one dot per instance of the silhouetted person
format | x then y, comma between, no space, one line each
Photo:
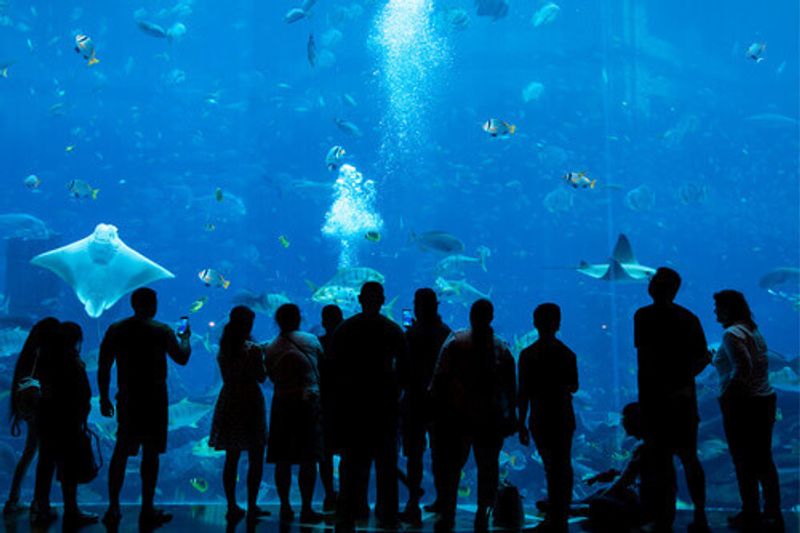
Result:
331,318
63,411
671,352
240,417
616,507
548,377
425,338
474,395
23,408
748,405
139,345
295,436
370,354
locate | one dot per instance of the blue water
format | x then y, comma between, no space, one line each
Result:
647,98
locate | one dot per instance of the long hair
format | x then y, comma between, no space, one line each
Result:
736,306
42,341
237,331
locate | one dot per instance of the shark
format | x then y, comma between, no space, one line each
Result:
101,268
622,266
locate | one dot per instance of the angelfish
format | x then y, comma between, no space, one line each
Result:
334,157
85,46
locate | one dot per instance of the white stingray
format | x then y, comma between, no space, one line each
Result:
622,265
101,268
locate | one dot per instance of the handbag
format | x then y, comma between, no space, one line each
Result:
28,393
507,511
86,463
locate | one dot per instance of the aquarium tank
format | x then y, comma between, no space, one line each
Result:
248,151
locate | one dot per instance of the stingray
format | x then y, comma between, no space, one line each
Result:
101,268
622,265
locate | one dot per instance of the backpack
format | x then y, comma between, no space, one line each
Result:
507,512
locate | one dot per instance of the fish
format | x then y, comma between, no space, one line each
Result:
373,236
4,69
348,127
264,303
69,148
11,341
514,460
23,226
711,449
81,189
349,100
355,277
293,15
457,18
499,128
307,5
284,241
454,264
523,341
176,31
458,291
204,451
85,47
212,278
438,241
579,179
621,267
785,380
781,278
641,199
186,414
199,484
198,304
546,14
101,268
151,29
218,194
311,50
496,9
334,157
344,297
756,51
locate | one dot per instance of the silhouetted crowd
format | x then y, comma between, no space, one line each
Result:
368,387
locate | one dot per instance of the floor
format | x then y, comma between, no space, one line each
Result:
207,518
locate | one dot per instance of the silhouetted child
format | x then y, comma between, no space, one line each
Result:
548,376
616,507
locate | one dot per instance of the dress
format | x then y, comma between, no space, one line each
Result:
240,417
296,414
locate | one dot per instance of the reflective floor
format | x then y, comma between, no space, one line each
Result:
207,518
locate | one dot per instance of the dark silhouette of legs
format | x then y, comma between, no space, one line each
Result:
149,473
555,447
307,478
255,471
696,481
763,422
487,454
116,477
45,469
326,477
28,454
229,472
283,482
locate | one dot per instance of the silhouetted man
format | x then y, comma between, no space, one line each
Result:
140,346
548,377
370,354
331,319
474,397
671,351
425,338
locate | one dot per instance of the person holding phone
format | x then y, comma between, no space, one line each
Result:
139,346
425,337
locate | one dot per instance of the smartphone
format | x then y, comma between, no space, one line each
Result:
408,318
183,325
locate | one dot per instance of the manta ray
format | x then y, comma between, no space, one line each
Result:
101,268
621,266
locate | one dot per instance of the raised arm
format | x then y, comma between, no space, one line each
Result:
178,347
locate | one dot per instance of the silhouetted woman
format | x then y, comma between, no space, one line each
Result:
748,405
240,421
474,397
27,367
63,411
296,434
